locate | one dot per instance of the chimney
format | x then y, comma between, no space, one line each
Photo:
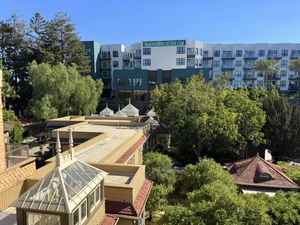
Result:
2,146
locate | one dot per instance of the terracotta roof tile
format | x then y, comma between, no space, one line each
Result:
123,159
248,171
110,220
126,208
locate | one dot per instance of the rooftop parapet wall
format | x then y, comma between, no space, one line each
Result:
120,191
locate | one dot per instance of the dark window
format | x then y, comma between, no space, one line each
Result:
284,52
180,50
239,53
115,64
216,53
115,54
261,53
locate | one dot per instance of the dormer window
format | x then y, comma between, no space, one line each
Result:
265,176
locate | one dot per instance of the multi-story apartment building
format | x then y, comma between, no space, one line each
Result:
139,67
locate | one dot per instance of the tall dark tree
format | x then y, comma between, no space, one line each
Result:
282,127
15,57
63,45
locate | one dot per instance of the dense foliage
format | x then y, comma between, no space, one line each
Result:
209,119
292,171
282,128
16,133
60,90
213,199
159,170
54,41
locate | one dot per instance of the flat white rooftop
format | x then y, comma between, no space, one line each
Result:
118,178
116,136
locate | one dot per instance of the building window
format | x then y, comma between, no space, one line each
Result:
217,73
283,73
39,219
180,50
216,63
238,63
180,61
115,64
95,197
115,54
80,214
284,52
216,53
284,63
239,53
146,62
88,51
272,53
205,53
261,53
146,51
282,83
295,53
238,73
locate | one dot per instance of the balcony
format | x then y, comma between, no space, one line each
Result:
105,56
191,52
105,66
137,55
250,76
207,56
207,66
273,77
228,66
126,57
295,55
137,66
228,56
248,66
294,87
294,76
250,56
274,56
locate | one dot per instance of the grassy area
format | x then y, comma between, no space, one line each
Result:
292,171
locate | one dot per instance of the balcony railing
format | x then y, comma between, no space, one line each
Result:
137,55
207,65
137,66
250,76
228,56
207,55
273,77
248,66
294,76
274,56
126,57
250,56
295,55
228,66
294,87
105,66
105,56
191,52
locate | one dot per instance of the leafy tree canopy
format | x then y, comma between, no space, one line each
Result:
16,133
60,90
209,119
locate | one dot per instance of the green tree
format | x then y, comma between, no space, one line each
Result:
281,129
179,214
15,58
61,44
8,90
157,199
295,65
205,172
265,68
207,118
284,208
16,133
159,169
60,90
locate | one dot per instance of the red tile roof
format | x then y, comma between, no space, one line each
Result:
256,171
123,159
128,209
110,220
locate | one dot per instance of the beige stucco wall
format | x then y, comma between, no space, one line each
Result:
2,146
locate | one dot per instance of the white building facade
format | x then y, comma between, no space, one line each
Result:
237,60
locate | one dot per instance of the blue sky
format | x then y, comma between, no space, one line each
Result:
211,21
